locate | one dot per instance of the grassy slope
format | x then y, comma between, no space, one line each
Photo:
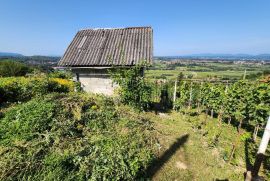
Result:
192,158
73,137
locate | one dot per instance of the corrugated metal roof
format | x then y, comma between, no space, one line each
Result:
109,46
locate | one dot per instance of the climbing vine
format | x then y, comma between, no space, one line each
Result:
246,103
134,88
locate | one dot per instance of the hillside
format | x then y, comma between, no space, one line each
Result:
50,129
8,54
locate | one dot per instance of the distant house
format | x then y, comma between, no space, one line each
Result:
93,51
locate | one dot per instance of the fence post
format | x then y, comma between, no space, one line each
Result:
190,96
174,94
261,152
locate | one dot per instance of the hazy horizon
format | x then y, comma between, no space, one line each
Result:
183,55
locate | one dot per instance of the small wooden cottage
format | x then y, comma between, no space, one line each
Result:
93,51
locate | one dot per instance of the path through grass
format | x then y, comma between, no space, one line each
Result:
184,154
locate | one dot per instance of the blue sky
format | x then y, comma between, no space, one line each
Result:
33,27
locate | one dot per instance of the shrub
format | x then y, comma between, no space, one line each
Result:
25,121
61,74
75,137
134,89
13,68
60,85
14,89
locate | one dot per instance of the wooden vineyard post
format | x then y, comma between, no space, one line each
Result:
220,114
199,99
255,132
230,119
226,89
245,73
261,151
174,94
232,153
206,115
156,97
190,96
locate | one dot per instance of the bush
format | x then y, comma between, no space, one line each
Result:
75,137
13,68
25,121
61,74
14,89
134,89
60,85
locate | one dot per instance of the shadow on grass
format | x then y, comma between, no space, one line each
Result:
251,153
158,107
158,163
248,162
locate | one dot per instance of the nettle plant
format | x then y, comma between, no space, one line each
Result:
134,89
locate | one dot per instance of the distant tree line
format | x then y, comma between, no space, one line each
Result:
17,67
10,68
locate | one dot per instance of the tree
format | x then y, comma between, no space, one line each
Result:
134,89
13,68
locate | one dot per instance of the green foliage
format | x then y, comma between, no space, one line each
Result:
134,89
73,137
166,95
257,75
14,89
13,68
61,74
184,92
245,102
25,121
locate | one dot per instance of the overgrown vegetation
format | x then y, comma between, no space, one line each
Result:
243,104
73,137
14,89
134,90
48,132
13,68
61,74
203,155
237,150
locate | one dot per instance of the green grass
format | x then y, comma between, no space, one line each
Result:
202,156
172,74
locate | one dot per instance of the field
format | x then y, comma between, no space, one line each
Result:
51,130
193,70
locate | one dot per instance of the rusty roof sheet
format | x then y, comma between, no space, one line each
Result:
109,46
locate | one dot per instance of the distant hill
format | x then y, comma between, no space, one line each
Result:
10,54
48,61
229,55
222,56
